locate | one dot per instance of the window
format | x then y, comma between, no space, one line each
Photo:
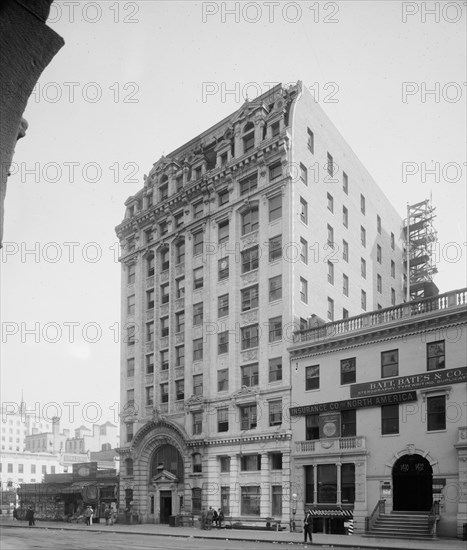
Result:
393,297
248,417
312,378
10,468
330,309
379,283
149,364
180,287
393,269
223,420
435,355
163,228
362,204
197,313
250,220
275,208
330,236
197,243
33,468
275,129
148,236
179,183
224,159
275,369
197,423
149,395
330,273
129,434
330,165
275,288
180,252
347,483
249,184
165,259
345,183
198,280
248,137
250,463
389,363
250,259
363,236
150,299
303,290
197,210
275,329
312,426
196,498
198,349
223,380
327,483
345,285
348,371
223,197
275,419
130,367
180,321
164,393
164,354
44,469
250,375
131,273
349,423
163,191
378,224
164,326
379,254
131,305
275,248
250,500
436,413
225,464
164,294
223,305
198,384
345,216
363,267
130,398
249,298
303,174
223,268
222,342
303,250
363,300
393,241
330,200
303,210
311,141
223,232
150,331
345,251
275,171
389,419
180,356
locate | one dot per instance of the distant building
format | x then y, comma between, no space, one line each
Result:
17,424
47,441
25,467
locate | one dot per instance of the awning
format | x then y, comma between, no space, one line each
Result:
331,512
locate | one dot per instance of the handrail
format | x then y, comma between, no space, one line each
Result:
432,517
377,511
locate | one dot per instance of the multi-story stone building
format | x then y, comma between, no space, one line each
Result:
237,238
379,419
17,424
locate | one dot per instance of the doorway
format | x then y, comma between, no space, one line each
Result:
165,506
412,481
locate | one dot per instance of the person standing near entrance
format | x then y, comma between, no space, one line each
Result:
307,526
30,516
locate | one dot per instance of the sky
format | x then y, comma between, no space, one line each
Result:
136,80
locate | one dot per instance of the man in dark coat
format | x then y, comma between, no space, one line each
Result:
30,516
307,525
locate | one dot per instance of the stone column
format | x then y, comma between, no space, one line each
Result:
265,487
339,483
461,447
235,491
360,505
287,489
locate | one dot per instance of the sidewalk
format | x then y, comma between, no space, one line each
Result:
281,537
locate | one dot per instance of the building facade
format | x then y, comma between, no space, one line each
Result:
236,239
379,415
17,424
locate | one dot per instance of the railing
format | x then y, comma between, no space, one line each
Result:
371,519
453,299
433,517
330,445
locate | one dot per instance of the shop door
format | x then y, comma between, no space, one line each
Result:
412,478
165,506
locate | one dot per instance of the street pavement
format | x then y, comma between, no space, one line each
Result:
13,530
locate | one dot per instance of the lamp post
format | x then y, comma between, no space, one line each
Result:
294,510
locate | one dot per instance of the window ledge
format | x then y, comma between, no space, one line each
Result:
432,392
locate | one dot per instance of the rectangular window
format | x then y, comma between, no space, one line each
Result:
349,423
197,423
348,483
393,241
149,395
150,299
163,228
275,329
312,378
303,210
129,432
379,254
363,300
248,417
378,224
33,468
131,305
249,375
379,283
222,342
179,390
389,363
276,501
21,468
435,355
250,220
164,393
223,197
275,417
275,288
250,463
223,380
303,174
248,184
345,285
223,420
275,369
164,295
363,268
345,251
163,191
330,230
223,268
311,141
198,349
345,217
198,384
327,483
165,259
223,305
197,210
393,297
224,463
330,273
303,251
363,236
180,356
197,243
275,208
149,364
330,165
180,321
164,327
348,371
389,419
148,236
275,171
130,397
150,331
249,298
178,184
131,273
130,368
362,204
250,500
164,354
275,129
198,278
436,413
223,232
180,252
249,259
180,287
248,142
345,183
312,427
330,202
330,309
225,500
303,290
275,248
345,313
393,269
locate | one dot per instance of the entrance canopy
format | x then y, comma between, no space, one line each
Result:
331,512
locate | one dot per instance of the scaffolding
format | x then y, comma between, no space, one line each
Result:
420,239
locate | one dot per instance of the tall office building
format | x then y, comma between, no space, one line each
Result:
264,223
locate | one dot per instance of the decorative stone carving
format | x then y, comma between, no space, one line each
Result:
250,239
179,338
180,303
164,342
164,375
150,282
179,269
410,448
249,317
150,314
164,310
250,355
245,391
251,277
179,372
149,347
165,276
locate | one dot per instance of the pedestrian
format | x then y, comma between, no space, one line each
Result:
88,515
209,517
215,517
307,526
30,516
107,514
220,518
15,513
203,518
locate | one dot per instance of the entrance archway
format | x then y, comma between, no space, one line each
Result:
412,481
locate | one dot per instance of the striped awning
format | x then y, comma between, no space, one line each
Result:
331,512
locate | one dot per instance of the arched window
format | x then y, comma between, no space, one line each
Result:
248,137
169,457
197,465
250,221
129,466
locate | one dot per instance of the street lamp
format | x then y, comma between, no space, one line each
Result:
294,510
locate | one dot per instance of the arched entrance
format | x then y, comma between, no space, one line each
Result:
412,481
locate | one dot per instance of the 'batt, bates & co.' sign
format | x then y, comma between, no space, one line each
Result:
413,382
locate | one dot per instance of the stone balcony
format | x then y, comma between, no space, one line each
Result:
334,445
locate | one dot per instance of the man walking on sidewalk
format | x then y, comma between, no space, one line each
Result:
307,525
